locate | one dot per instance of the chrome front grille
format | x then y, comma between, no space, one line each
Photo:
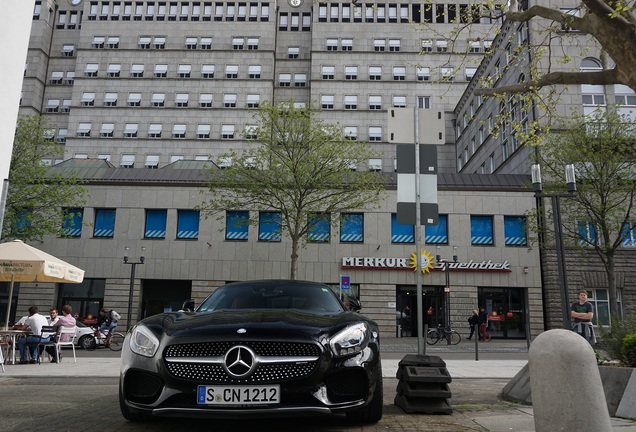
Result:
278,361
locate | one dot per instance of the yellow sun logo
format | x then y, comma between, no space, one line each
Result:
426,261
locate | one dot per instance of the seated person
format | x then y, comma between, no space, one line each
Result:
66,320
34,322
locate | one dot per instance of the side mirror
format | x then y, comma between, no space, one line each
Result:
355,305
188,306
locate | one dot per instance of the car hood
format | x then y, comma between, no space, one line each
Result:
289,323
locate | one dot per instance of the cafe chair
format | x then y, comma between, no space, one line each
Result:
39,344
4,345
70,331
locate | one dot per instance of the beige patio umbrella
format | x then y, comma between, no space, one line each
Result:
23,263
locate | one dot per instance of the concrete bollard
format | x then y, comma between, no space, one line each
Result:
567,392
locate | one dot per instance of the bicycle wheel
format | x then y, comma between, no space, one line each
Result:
432,337
116,342
455,337
88,342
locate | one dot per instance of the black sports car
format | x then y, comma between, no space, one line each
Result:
265,348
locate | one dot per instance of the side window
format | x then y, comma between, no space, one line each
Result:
401,233
156,224
187,224
352,228
437,234
515,231
236,225
104,223
269,226
481,230
72,225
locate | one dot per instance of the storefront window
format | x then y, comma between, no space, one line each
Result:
599,298
85,298
506,311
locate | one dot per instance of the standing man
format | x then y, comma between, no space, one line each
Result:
34,322
582,312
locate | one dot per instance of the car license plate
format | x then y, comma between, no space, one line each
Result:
238,395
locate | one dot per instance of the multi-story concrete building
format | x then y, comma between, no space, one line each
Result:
131,86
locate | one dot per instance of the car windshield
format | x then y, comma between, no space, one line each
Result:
310,297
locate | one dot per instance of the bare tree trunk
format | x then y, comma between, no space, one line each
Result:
294,259
611,282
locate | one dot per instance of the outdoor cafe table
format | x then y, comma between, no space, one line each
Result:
13,335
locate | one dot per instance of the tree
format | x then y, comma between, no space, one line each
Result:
298,166
38,199
599,215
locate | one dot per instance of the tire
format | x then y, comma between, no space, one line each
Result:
432,337
87,342
455,337
371,413
116,342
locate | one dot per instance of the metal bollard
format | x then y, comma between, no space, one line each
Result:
567,392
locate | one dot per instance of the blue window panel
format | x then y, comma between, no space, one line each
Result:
437,234
269,226
628,234
319,228
352,227
515,231
104,223
587,234
155,223
237,225
23,220
72,225
481,230
187,224
401,233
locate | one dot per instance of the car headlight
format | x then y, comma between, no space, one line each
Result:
351,340
143,341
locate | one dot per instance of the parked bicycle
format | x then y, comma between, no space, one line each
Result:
112,340
437,334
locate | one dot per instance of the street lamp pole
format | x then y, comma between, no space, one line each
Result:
133,267
570,181
446,269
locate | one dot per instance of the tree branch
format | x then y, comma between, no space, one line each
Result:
571,21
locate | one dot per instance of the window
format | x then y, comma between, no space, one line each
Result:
250,131
351,102
184,71
61,135
231,71
375,164
236,225
269,226
441,45
375,102
131,130
328,72
319,230
375,73
351,72
155,130
515,231
227,131
424,102
399,101
53,105
72,224
629,234
70,78
351,228
91,70
207,71
205,100
134,99
98,42
470,73
300,80
56,77
283,21
474,46
351,133
104,225
229,100
238,43
155,224
114,70
159,42
252,43
481,230
427,45
113,42
187,224
206,43
107,130
179,131
599,297
332,44
152,162
191,43
423,73
158,99
84,130
253,100
203,131
448,74
144,42
284,80
68,50
437,234
399,73
254,71
346,44
401,233
293,52
394,45
181,100
137,70
326,101
161,70
375,133
587,234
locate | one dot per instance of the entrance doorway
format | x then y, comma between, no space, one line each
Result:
159,296
406,308
506,308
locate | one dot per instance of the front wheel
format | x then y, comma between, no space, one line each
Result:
116,342
455,337
432,337
87,342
